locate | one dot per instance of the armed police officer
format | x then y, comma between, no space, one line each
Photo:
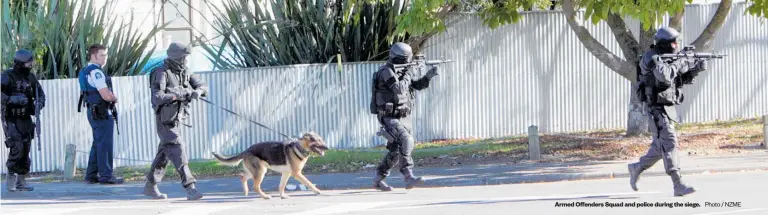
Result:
21,93
660,87
173,88
96,88
392,101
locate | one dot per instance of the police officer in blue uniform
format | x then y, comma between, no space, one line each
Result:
96,88
20,92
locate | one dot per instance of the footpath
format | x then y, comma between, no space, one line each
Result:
525,172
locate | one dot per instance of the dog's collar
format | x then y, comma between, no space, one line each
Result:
299,150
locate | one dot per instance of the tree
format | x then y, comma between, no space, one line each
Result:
61,53
500,12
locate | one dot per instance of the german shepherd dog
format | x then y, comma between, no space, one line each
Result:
287,158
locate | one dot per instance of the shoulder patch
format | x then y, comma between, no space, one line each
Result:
98,75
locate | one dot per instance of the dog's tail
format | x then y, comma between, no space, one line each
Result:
231,160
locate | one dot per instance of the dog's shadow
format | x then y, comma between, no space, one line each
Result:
227,197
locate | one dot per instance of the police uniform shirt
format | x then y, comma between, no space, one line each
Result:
98,80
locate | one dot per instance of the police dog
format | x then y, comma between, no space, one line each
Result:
287,158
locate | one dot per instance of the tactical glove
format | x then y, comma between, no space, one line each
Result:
684,64
181,94
195,94
701,65
432,72
40,103
19,100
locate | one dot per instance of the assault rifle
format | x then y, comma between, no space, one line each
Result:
420,62
113,107
37,115
688,52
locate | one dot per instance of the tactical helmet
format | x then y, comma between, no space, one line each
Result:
400,53
666,35
23,56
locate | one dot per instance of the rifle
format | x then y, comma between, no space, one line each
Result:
688,52
113,107
420,62
37,116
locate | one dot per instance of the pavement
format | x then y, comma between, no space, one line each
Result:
464,188
525,172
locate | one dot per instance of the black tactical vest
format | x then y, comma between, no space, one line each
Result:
19,85
384,101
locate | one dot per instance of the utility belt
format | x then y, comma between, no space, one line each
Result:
389,110
172,113
99,111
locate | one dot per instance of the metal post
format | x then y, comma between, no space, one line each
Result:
765,131
69,161
534,151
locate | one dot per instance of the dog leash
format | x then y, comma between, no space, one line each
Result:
254,122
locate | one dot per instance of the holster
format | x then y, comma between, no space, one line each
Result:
99,111
389,110
384,133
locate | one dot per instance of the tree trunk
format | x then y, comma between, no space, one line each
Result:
637,120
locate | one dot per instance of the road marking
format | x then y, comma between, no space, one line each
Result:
343,208
736,211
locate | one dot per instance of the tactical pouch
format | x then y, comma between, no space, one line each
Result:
384,133
402,111
98,111
169,113
667,97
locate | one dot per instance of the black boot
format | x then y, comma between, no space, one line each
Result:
681,189
634,175
192,193
410,180
21,183
379,184
151,190
10,180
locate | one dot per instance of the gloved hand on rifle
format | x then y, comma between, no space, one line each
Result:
195,94
40,102
432,72
181,94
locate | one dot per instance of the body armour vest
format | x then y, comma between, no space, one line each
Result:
383,100
91,94
20,86
651,90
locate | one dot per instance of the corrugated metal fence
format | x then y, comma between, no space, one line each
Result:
534,72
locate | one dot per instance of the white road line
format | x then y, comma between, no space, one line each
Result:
200,209
343,208
736,211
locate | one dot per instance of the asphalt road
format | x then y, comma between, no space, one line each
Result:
727,193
